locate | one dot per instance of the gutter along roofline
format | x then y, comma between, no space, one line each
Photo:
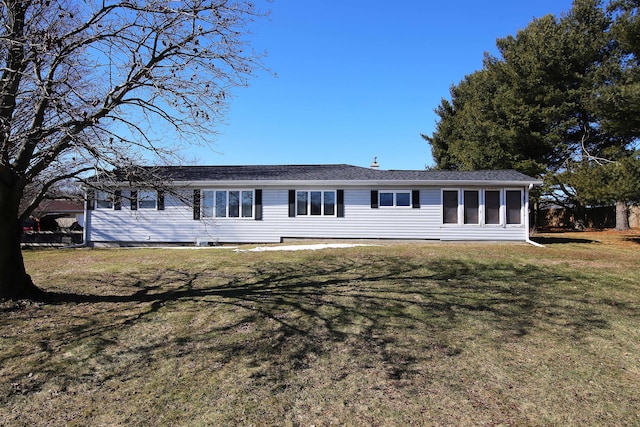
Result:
333,183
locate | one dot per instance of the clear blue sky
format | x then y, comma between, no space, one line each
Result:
358,79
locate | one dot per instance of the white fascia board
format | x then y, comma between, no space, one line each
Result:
351,183
491,183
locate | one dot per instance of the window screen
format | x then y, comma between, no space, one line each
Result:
492,207
471,207
450,207
514,207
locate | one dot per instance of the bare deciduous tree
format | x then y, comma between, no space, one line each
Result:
82,81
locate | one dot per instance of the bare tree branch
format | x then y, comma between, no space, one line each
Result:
166,62
83,82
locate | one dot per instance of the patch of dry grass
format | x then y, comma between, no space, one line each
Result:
399,334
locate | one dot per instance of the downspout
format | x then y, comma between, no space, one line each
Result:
86,226
87,220
536,244
526,220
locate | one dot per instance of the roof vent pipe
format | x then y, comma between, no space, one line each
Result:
374,164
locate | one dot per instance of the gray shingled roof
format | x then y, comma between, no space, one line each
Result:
335,172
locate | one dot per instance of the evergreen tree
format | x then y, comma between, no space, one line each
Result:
603,183
547,105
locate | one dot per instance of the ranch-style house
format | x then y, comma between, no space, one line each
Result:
268,204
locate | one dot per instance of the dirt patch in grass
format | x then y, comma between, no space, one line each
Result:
401,334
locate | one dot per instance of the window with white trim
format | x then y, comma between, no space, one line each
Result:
247,204
471,203
227,204
329,203
492,207
315,203
104,200
394,198
207,204
450,204
147,199
513,202
482,207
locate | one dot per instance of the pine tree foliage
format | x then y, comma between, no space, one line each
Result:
561,99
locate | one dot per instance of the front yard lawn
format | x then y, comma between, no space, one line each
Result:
387,335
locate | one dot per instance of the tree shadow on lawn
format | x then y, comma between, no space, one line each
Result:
546,240
633,240
385,311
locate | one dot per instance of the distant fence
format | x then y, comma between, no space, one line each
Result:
51,238
601,217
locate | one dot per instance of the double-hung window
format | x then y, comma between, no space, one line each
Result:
329,203
227,203
316,203
104,200
233,205
147,199
207,204
246,204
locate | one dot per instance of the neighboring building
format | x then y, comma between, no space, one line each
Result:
54,223
58,213
210,204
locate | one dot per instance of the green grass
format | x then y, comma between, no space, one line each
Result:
390,335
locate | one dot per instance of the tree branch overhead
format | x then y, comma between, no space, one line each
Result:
79,80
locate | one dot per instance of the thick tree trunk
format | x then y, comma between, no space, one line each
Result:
622,216
14,280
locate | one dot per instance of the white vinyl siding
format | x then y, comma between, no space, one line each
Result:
175,224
